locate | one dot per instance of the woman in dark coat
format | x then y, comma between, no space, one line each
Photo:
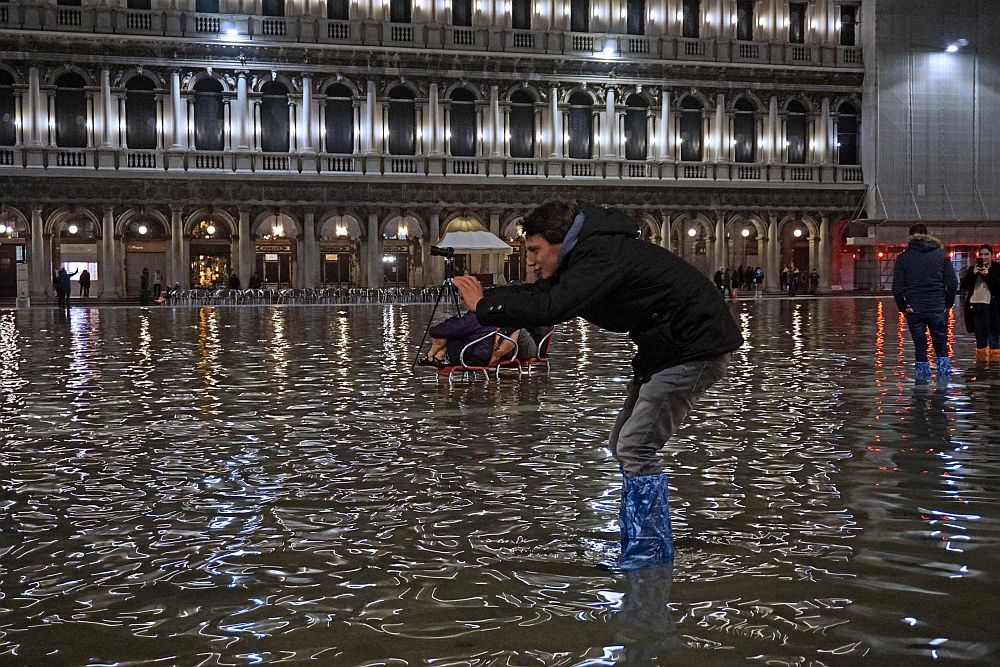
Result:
981,287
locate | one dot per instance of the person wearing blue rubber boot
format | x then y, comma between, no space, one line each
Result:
924,284
591,263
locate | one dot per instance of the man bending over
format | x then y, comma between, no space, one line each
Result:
591,263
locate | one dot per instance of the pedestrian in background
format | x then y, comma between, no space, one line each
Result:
84,283
981,286
924,285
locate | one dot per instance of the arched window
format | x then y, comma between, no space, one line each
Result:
8,125
848,25
339,119
207,6
140,113
691,19
796,22
636,18
745,19
337,10
71,111
579,15
208,115
272,8
402,122
520,17
795,132
461,12
691,129
636,112
522,124
463,123
581,125
745,131
400,11
847,134
274,118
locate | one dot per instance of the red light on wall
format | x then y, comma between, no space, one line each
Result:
881,255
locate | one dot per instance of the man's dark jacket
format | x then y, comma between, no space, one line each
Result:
923,278
610,277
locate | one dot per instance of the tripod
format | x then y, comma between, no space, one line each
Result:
446,288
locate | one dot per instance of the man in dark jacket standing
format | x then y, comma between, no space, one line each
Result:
924,284
591,263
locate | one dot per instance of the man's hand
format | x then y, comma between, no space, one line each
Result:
909,310
470,288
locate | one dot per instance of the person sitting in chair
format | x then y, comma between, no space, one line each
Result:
527,340
450,336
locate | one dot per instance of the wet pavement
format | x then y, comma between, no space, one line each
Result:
253,485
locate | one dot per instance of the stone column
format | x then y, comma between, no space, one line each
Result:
496,123
823,133
720,127
610,124
310,273
773,150
110,262
374,252
176,247
825,267
666,238
555,150
35,108
241,112
434,128
180,118
495,260
305,116
771,270
40,274
246,249
368,129
436,270
107,136
663,141
721,252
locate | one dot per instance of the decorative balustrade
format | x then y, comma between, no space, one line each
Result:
320,165
310,29
338,30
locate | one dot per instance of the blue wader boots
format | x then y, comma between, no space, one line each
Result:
645,522
943,368
922,371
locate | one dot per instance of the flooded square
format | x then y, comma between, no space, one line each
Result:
255,485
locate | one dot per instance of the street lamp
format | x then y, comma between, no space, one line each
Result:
73,229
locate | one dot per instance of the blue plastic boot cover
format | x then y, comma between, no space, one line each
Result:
943,366
645,522
922,370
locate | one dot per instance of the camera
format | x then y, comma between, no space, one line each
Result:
980,263
442,252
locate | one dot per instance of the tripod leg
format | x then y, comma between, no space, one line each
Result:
437,302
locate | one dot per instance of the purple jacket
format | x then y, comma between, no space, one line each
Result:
465,329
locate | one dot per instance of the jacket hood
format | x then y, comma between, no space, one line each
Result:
596,221
925,242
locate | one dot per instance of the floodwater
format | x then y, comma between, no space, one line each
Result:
255,485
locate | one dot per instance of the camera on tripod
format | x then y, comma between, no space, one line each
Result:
442,252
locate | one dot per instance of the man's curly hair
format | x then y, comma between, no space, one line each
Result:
551,220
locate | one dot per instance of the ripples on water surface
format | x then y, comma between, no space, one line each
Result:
258,485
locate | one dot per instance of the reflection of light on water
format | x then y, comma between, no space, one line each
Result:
340,335
279,345
209,347
83,369
10,351
390,335
798,343
583,353
145,338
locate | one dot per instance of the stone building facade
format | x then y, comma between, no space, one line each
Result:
331,143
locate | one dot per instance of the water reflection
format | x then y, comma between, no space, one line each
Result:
260,485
